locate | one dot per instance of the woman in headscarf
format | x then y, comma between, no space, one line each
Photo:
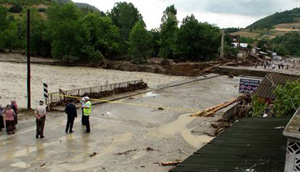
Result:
9,119
1,118
14,107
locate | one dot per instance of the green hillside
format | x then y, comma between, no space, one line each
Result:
291,16
26,2
45,2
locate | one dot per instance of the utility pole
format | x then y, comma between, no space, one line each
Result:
28,61
222,45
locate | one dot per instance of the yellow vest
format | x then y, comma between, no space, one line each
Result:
86,112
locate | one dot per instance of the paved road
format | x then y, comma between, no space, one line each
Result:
123,137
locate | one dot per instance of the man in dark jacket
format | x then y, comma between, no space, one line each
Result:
72,114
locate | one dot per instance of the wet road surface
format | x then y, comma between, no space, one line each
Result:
123,137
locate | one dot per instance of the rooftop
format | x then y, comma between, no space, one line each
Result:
271,81
251,144
292,129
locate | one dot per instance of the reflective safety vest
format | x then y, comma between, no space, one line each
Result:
86,112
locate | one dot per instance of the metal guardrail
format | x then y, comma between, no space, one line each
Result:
57,96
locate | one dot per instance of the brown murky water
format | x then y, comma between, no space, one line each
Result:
14,80
179,126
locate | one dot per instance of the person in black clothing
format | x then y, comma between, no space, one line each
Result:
1,118
72,114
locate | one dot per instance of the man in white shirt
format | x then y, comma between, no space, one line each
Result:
40,114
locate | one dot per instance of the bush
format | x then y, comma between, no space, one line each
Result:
287,99
258,107
15,9
96,57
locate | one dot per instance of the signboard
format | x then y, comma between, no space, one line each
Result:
248,86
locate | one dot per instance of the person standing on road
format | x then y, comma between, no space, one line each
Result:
72,114
40,113
82,107
9,120
1,118
14,107
86,113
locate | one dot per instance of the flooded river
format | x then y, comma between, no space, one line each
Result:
13,85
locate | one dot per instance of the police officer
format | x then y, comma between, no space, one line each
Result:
86,113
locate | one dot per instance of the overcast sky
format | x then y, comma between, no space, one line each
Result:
223,13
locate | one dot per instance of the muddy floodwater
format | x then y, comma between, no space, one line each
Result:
13,84
132,135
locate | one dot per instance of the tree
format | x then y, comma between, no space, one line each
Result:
125,15
140,43
287,99
103,34
230,52
9,37
168,32
197,41
39,45
65,33
3,18
281,50
263,44
155,42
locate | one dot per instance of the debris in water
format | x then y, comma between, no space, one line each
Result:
149,149
183,152
64,162
160,108
209,134
172,163
93,154
279,127
126,152
43,165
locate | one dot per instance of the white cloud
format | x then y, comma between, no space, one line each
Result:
222,20
223,13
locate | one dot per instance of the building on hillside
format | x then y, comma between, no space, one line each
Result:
243,50
263,55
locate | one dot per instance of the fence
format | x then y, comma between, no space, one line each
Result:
57,97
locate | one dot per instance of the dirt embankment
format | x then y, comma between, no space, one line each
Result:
179,69
154,65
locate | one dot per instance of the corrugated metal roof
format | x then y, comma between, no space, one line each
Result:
252,144
271,81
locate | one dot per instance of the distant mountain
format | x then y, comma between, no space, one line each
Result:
80,5
62,1
291,16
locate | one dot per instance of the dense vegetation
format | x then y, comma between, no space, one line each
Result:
287,99
26,2
277,18
286,103
83,35
231,30
287,44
